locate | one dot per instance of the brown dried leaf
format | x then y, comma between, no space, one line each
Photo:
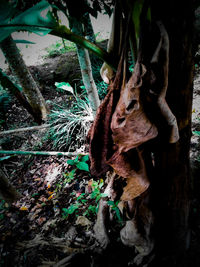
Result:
134,188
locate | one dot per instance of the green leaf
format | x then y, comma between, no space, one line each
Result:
85,158
5,158
72,208
70,162
76,159
111,203
82,166
83,200
65,210
118,214
37,19
196,133
23,42
65,86
81,196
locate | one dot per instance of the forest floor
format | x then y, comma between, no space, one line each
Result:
52,223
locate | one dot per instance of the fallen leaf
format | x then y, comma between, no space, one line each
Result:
83,221
23,208
50,197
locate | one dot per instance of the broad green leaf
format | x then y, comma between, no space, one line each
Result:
23,42
65,86
70,162
82,166
37,19
72,208
85,158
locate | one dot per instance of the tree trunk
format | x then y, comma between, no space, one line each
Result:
86,69
15,90
172,177
7,191
88,29
145,147
26,80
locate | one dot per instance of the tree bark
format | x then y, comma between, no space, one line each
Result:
172,171
88,29
26,80
7,191
86,69
15,90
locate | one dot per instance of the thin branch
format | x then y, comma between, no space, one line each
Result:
33,128
41,153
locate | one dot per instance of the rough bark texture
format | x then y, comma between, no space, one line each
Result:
15,90
28,84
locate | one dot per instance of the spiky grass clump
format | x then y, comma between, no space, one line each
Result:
69,126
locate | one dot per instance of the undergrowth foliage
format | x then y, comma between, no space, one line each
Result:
70,124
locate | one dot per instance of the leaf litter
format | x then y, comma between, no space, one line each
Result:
54,217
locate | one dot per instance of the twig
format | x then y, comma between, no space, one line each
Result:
41,153
33,128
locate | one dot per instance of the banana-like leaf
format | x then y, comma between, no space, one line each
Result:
23,42
37,19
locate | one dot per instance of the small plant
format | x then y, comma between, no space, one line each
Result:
70,125
69,176
91,211
72,209
114,207
80,163
96,193
59,48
